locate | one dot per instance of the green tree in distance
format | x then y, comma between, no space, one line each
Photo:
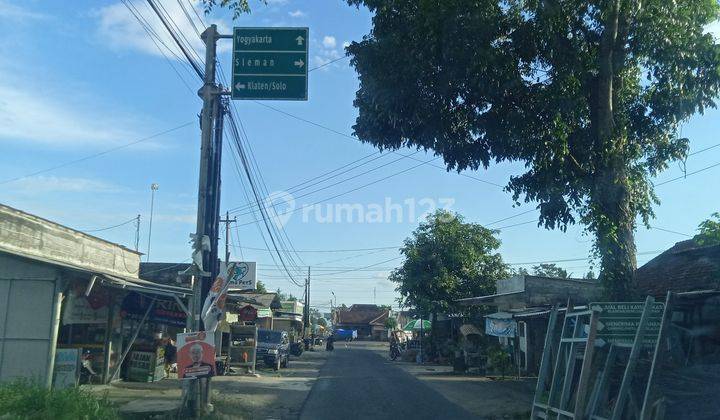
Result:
550,270
391,323
588,93
447,259
709,231
260,287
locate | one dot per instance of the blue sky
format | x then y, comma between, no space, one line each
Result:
78,78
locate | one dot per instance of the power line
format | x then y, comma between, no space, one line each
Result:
294,188
94,155
328,63
349,191
332,130
337,183
688,174
109,227
670,231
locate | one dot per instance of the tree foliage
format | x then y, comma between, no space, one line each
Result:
237,7
391,323
550,270
588,93
260,287
709,231
447,259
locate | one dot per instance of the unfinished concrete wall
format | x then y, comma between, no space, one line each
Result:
36,238
542,291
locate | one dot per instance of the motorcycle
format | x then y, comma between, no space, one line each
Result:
394,351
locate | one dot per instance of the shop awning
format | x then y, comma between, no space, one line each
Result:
144,286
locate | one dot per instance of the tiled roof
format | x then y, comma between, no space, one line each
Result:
362,314
684,267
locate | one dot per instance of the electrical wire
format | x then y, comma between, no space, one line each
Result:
134,219
94,155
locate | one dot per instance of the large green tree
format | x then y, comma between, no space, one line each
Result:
447,259
709,231
588,93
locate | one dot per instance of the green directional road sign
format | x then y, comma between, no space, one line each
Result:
270,63
618,322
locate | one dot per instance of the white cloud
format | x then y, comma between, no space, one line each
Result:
297,14
326,52
176,218
119,29
44,184
329,41
345,44
13,11
57,118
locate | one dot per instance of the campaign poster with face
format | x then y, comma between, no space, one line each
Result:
195,355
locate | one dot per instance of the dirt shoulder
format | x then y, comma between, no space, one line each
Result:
271,395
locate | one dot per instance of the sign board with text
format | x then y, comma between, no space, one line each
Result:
270,63
195,355
244,276
618,322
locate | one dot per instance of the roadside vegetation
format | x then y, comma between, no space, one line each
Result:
24,399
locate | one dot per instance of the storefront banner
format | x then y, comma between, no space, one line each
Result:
214,306
165,311
79,311
195,355
247,313
67,368
500,327
244,277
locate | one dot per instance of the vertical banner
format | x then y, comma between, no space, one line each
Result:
195,355
214,305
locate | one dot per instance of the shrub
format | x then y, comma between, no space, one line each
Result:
499,360
23,399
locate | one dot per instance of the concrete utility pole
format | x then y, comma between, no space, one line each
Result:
208,194
153,187
312,331
227,220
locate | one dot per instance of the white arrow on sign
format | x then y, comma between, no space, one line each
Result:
300,40
600,326
240,86
299,63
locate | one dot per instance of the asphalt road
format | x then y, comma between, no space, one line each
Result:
361,383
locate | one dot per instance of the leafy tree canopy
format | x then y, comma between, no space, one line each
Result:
391,323
238,7
589,93
709,231
447,259
260,287
550,270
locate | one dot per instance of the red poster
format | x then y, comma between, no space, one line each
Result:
196,355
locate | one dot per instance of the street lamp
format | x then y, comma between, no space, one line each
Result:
153,187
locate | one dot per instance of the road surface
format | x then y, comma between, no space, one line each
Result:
361,383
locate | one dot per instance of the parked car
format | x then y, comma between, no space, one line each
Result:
273,348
